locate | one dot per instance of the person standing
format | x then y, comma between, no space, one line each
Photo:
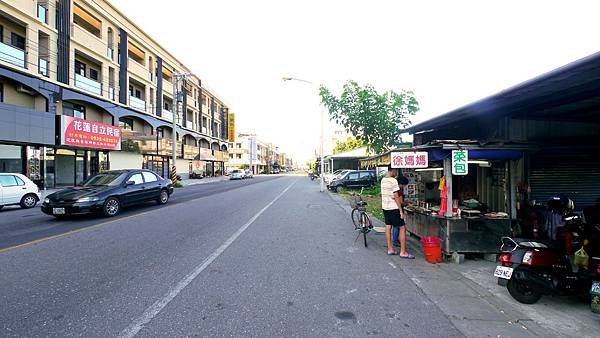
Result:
402,182
391,203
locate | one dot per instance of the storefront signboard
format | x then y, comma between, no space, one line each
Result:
460,162
231,131
409,159
88,134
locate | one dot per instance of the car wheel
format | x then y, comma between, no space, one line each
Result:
1,206
28,201
111,207
163,198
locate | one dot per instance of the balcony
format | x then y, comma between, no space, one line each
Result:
139,70
88,85
89,40
167,115
12,55
137,103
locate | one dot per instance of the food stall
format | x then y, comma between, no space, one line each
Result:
460,191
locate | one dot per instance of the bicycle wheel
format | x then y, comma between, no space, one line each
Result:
355,218
364,224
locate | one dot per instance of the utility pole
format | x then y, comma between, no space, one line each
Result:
176,99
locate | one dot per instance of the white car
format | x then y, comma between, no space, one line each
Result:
336,174
236,174
17,189
248,174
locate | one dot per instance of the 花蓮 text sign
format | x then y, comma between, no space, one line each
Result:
409,159
88,134
460,162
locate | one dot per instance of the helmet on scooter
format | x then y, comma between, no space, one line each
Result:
560,203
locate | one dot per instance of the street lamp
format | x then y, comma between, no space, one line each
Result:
289,78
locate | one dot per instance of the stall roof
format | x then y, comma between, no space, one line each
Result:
354,153
571,92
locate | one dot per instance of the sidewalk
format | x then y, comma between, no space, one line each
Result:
471,307
205,180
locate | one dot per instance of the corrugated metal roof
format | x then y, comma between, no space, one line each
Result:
570,92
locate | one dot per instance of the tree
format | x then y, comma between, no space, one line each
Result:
350,143
375,119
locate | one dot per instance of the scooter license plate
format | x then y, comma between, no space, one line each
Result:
503,272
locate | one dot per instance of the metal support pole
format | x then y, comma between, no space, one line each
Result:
174,131
44,178
322,152
448,175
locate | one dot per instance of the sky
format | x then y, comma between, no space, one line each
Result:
450,53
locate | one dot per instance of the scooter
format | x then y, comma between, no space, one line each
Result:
532,268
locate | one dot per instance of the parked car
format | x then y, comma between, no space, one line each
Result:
236,174
248,174
108,192
354,179
331,176
17,189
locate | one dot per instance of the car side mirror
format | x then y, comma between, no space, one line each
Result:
128,183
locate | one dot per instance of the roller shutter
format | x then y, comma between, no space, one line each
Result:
577,175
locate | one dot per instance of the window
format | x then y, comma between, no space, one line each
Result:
80,68
365,174
19,180
42,13
138,94
136,178
126,123
353,176
93,74
167,106
17,41
8,181
239,156
149,177
231,156
160,133
75,110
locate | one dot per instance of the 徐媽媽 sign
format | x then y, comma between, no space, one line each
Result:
409,159
460,162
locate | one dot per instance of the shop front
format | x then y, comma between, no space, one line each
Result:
466,200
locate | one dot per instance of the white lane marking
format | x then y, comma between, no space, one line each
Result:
392,265
160,304
351,291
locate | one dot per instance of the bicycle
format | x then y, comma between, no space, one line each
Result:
360,219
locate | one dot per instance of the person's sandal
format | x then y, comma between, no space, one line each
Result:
408,256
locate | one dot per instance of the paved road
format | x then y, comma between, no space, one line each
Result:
274,258
18,226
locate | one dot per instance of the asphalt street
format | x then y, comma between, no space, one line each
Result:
263,257
18,226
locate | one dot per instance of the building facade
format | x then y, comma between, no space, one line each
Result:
83,89
261,157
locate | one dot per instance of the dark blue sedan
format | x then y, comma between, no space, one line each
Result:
106,193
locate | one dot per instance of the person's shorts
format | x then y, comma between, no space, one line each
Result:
392,217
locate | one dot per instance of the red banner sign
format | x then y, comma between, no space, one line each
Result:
87,134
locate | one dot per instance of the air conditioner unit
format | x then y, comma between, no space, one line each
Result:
24,89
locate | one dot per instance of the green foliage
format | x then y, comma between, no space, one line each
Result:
178,184
350,143
375,119
130,146
244,166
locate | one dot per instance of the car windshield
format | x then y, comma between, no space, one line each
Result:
236,171
105,179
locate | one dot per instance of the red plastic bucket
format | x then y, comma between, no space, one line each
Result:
432,248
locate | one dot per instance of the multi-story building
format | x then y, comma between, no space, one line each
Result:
83,89
249,151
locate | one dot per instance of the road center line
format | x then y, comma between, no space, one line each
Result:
160,304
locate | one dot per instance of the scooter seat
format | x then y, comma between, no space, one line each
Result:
536,243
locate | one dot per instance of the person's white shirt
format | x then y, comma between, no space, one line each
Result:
389,185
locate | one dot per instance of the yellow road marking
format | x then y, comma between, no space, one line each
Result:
91,227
